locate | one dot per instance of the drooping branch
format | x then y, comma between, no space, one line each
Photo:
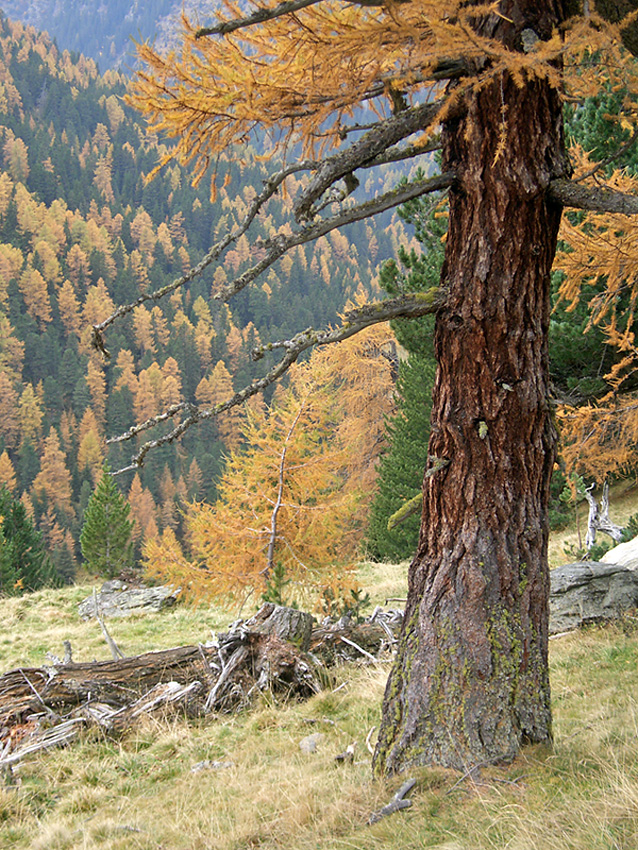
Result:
409,306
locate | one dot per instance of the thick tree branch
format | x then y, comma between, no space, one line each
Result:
419,304
594,198
260,16
277,246
370,146
271,187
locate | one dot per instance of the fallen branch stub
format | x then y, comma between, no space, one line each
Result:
344,641
397,803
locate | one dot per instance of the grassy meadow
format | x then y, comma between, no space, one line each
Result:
260,790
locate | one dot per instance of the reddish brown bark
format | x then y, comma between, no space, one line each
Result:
470,683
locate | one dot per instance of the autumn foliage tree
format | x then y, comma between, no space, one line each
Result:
288,500
486,82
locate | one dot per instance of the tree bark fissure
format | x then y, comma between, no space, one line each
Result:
470,683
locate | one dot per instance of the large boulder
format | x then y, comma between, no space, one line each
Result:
587,591
625,554
117,599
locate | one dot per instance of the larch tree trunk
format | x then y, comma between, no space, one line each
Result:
470,684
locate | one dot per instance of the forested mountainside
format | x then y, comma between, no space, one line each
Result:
81,231
105,31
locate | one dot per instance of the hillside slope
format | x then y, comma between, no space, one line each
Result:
81,230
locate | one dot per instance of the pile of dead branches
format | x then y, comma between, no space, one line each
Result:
279,650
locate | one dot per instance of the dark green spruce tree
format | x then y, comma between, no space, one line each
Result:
106,534
401,467
24,563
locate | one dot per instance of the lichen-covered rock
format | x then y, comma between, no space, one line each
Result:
586,591
117,599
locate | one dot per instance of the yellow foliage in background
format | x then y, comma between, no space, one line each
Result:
290,500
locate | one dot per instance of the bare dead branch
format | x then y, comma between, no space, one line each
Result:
262,15
397,803
278,245
272,538
594,198
419,304
599,519
116,652
271,186
360,649
622,150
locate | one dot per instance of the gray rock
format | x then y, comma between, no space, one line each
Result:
625,554
116,599
309,744
586,591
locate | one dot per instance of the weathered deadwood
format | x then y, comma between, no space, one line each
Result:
26,691
44,739
165,695
598,519
353,641
44,707
261,661
287,624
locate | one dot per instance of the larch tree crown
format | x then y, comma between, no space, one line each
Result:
335,89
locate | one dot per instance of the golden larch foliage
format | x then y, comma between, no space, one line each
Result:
69,309
31,415
52,484
11,262
36,297
125,364
96,382
9,419
7,472
11,350
143,510
290,497
91,445
600,439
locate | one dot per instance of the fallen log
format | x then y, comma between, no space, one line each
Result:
265,662
63,687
